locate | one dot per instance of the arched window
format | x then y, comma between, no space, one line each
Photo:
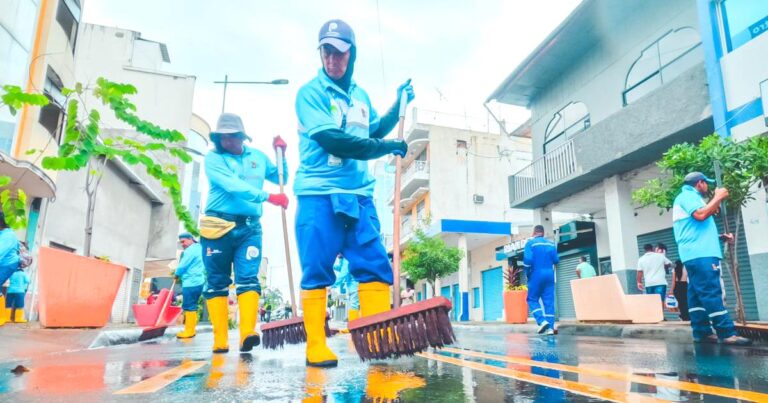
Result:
662,61
573,118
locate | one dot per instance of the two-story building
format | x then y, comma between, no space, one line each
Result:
449,188
609,90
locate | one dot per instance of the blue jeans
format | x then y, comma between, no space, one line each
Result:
657,289
241,248
705,299
190,296
339,223
541,285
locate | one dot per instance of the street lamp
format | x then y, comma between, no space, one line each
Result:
279,81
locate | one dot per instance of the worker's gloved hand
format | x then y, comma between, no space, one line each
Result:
278,199
396,147
408,90
279,142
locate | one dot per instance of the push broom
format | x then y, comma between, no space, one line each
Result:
291,331
403,330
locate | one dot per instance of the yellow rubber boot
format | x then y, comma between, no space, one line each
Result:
19,318
218,311
318,353
374,298
3,319
353,314
8,314
190,323
248,305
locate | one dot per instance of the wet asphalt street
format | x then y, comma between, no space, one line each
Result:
482,366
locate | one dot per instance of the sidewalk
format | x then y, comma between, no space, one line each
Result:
672,331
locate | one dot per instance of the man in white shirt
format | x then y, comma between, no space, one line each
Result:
651,272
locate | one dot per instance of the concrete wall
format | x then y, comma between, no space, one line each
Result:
598,78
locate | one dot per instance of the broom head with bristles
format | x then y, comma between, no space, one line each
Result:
290,331
402,331
752,331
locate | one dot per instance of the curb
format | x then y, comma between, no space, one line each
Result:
669,333
109,338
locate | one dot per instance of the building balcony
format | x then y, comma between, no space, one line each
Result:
414,183
631,138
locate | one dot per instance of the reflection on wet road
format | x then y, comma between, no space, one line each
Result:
482,366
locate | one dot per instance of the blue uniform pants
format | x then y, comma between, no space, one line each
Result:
190,296
239,248
7,271
327,225
14,300
705,299
541,286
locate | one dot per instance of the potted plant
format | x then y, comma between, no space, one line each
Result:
515,294
79,291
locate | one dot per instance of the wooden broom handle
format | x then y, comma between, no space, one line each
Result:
281,182
396,206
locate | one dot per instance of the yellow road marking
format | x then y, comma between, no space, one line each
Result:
647,380
562,384
163,379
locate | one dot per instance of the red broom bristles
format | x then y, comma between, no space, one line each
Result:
291,331
403,331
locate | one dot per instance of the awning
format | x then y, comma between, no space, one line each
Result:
27,176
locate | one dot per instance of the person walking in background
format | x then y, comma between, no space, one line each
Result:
680,289
17,290
698,242
191,271
408,295
584,269
651,272
540,257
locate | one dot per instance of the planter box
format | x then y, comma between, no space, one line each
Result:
76,291
515,306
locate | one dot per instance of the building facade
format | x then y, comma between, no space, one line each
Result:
134,223
611,89
449,188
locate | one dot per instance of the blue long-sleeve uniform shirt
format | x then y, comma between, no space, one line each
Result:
191,269
19,282
540,253
9,248
236,181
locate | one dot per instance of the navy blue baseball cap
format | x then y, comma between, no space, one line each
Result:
338,34
186,235
694,177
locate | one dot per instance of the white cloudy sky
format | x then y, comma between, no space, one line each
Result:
456,51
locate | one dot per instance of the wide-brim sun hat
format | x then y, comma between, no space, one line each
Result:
229,123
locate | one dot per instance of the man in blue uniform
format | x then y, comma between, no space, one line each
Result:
231,232
9,257
192,274
540,257
698,243
339,131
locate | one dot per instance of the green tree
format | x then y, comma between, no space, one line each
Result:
12,199
84,146
273,297
429,258
744,172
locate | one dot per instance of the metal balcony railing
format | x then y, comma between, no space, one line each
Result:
550,168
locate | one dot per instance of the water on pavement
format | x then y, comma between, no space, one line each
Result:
482,366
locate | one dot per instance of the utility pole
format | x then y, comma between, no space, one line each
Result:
226,82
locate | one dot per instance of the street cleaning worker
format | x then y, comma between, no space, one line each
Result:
231,232
344,280
17,290
9,255
540,257
339,130
698,243
192,274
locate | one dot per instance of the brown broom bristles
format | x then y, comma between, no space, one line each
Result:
403,331
291,331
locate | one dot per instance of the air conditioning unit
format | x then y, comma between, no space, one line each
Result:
478,199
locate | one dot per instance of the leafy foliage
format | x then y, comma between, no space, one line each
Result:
15,98
513,278
273,297
428,258
743,164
